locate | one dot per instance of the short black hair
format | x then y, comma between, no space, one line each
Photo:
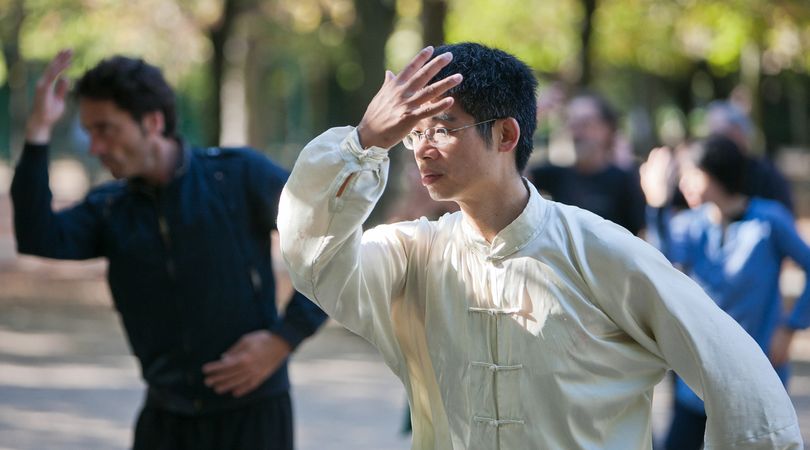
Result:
496,85
134,86
721,159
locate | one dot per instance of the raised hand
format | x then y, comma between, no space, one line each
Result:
405,99
49,100
657,175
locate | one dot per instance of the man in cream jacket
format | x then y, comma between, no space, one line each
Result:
516,323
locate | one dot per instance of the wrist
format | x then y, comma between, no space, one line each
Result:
362,135
37,133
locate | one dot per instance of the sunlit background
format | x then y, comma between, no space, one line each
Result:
275,73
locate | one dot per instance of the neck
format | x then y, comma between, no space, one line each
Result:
592,164
492,211
730,207
166,154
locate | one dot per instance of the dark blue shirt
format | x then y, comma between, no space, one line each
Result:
612,193
190,269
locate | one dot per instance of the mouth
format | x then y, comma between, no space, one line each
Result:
429,178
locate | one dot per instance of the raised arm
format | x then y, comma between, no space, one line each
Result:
335,184
69,234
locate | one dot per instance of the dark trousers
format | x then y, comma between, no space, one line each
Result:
687,429
264,425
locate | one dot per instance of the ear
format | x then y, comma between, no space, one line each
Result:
153,123
507,134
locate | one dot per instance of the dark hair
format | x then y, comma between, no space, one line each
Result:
134,86
496,85
606,111
722,160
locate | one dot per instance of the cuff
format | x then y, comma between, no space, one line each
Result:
351,146
289,333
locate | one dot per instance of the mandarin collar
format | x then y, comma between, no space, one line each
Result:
518,234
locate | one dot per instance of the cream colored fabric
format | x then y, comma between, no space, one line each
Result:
551,337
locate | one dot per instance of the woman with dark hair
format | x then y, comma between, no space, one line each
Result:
733,245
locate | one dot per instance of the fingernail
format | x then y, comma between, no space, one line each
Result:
448,56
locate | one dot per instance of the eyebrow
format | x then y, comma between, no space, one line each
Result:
444,117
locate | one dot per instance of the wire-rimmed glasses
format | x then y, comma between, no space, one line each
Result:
436,135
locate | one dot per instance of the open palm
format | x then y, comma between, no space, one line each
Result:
49,100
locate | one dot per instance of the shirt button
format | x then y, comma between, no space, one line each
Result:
218,176
493,368
198,404
493,423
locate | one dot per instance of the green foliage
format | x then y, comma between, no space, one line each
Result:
540,32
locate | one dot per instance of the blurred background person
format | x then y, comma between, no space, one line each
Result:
594,182
763,178
733,245
187,236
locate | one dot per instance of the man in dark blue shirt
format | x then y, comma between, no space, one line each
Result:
187,236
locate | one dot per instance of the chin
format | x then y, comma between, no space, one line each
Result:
438,196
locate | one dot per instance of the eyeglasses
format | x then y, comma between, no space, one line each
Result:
438,136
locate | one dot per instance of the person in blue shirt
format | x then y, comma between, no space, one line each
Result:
187,234
733,245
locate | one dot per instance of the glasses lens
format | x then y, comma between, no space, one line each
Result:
409,141
440,136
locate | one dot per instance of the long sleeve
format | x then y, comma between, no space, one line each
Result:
669,315
353,276
72,233
789,243
265,180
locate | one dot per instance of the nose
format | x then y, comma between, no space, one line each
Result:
97,147
424,149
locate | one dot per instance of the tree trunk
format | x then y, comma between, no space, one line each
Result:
17,77
375,21
586,31
434,13
219,33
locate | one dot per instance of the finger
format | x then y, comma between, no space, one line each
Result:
61,88
437,89
59,63
433,108
429,70
237,349
53,73
416,63
232,383
223,378
224,364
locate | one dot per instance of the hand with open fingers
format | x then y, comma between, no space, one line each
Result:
246,365
49,99
405,99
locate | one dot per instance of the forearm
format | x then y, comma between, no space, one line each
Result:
73,233
31,199
301,320
331,191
